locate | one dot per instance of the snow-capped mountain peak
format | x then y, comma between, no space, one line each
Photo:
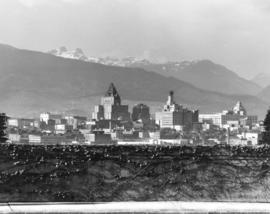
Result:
79,55
71,54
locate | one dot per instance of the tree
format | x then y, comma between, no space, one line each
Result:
266,132
3,127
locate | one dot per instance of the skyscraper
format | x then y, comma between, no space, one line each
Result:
141,112
110,107
175,116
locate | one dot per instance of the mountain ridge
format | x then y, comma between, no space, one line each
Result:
262,79
203,74
33,81
206,75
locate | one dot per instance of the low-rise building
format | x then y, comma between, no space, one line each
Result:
98,138
13,122
48,139
60,129
237,116
144,135
14,137
251,138
174,141
154,135
34,139
77,122
54,139
46,116
137,142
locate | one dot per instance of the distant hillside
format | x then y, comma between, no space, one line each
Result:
32,82
206,75
262,79
203,74
265,94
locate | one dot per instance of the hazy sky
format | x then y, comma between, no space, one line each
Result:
235,33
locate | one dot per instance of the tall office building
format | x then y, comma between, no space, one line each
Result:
175,116
110,107
141,112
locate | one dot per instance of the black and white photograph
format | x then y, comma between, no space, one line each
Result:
134,106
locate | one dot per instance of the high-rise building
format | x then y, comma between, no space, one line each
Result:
238,113
141,112
175,116
239,109
110,107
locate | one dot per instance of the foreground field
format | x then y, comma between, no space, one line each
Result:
122,173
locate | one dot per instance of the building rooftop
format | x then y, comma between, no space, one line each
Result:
239,108
112,92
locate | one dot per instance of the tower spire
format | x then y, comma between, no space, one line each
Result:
170,100
112,92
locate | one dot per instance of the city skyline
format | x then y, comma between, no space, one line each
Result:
113,123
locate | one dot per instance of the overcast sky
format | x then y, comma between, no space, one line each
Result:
235,33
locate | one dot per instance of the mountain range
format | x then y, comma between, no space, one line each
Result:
206,75
32,82
262,79
80,55
203,74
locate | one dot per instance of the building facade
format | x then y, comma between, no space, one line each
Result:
175,116
46,116
238,114
111,107
141,112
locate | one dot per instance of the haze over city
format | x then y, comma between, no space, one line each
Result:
231,33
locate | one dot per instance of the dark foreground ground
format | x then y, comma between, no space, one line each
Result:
126,173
